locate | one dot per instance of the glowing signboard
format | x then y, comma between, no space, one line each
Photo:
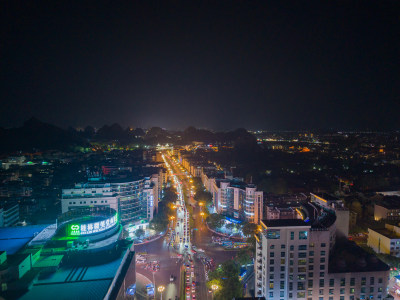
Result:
90,228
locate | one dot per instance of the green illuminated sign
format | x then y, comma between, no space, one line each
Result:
74,230
90,228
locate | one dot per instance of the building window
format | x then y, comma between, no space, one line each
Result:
372,281
271,262
283,246
330,291
291,247
331,282
282,254
322,253
272,254
352,281
273,234
342,281
323,245
292,235
303,235
301,270
302,261
363,281
321,283
310,283
272,246
322,260
302,247
311,253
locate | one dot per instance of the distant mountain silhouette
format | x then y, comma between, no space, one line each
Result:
36,135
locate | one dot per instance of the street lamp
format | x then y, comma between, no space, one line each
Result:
161,289
214,287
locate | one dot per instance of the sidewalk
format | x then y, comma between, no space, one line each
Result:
152,240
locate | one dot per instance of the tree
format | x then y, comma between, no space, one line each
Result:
203,196
215,220
243,257
230,226
139,233
249,229
227,278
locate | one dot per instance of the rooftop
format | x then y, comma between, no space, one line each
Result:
285,223
75,280
14,238
390,202
387,233
347,257
326,196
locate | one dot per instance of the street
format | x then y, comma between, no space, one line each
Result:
180,249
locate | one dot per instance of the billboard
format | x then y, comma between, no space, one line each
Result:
90,228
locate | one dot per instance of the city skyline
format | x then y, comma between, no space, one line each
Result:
221,66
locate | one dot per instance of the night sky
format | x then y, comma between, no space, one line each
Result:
211,64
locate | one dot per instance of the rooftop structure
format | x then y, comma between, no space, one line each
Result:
83,259
387,208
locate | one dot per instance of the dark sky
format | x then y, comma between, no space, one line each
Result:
215,64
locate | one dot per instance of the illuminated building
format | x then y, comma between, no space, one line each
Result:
135,200
304,259
386,240
239,200
82,256
387,208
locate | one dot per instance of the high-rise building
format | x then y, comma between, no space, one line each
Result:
239,200
303,259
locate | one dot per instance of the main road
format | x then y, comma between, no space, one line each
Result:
172,251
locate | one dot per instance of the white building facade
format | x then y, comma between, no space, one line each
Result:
292,262
135,201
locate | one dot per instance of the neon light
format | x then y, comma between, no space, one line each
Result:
90,228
